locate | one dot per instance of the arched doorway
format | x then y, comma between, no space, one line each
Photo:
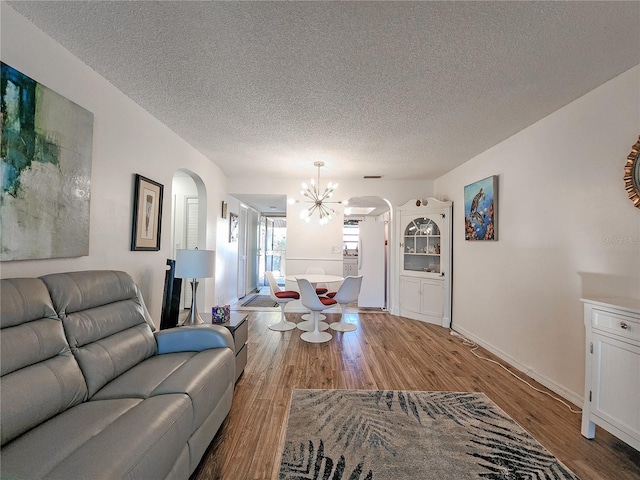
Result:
366,236
188,220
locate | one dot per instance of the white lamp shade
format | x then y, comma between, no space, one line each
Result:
194,263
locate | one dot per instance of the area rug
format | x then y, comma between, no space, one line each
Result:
367,435
260,301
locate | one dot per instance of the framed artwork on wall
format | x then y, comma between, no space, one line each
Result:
233,227
632,174
481,209
46,144
147,214
224,209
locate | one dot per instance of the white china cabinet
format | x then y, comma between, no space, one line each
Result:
612,368
425,261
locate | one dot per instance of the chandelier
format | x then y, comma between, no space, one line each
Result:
319,201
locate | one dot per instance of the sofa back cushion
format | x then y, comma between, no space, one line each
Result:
104,322
40,376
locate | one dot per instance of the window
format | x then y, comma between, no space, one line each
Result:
350,236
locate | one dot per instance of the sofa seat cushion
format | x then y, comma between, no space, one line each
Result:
203,376
119,438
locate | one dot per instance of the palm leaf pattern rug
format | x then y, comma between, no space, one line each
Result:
367,435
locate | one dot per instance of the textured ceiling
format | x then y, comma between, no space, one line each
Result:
406,90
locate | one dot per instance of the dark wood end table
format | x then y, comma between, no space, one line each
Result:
239,328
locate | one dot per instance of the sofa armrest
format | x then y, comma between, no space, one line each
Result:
193,338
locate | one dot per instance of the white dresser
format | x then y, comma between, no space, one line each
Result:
612,368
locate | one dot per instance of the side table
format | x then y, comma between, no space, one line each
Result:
239,328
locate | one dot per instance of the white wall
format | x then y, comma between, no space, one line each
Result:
227,258
127,140
566,230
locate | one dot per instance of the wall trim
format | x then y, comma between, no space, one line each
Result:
566,394
314,259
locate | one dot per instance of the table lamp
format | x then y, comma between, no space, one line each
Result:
194,264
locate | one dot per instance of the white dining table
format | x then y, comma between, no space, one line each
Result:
314,279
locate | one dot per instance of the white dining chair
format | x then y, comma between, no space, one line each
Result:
347,293
282,297
321,289
316,304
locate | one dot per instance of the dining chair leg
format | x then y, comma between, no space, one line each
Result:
343,325
308,325
316,336
307,316
283,325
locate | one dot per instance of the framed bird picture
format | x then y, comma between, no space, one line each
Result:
481,209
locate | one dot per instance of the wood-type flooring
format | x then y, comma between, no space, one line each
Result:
387,352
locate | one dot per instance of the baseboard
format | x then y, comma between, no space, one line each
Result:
572,397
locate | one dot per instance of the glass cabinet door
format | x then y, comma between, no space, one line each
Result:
421,245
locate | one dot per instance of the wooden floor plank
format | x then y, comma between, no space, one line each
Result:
390,353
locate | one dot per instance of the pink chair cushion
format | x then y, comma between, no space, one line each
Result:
321,291
288,294
331,294
327,301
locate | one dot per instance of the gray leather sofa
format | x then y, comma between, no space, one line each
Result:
89,391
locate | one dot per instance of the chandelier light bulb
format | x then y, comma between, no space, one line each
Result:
318,201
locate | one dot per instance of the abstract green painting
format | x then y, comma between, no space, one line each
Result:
46,146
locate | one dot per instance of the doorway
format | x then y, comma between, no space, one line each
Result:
366,236
273,248
188,222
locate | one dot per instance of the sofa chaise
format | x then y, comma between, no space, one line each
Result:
89,391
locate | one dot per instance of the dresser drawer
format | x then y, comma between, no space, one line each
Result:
241,361
613,323
240,335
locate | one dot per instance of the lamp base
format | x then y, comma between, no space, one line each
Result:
194,317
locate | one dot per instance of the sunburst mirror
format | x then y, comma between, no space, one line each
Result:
632,175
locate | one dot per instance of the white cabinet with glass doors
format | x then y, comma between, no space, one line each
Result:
425,261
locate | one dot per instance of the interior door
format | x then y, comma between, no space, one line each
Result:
190,241
262,245
242,253
371,264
